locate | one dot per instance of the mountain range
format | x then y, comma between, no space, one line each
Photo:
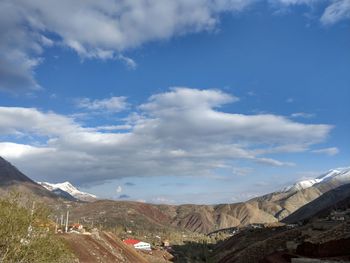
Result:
342,175
267,209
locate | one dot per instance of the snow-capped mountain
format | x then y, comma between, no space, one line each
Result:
341,175
67,187
300,185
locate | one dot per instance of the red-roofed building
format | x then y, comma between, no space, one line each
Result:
131,241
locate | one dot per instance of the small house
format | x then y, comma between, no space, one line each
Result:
137,244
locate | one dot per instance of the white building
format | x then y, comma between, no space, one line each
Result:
138,244
143,246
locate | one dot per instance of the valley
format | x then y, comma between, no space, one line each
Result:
276,226
174,131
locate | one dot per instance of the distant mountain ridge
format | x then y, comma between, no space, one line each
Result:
340,174
68,190
269,208
266,209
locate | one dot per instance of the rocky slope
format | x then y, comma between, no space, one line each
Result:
338,198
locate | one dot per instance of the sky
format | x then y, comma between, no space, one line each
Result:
187,101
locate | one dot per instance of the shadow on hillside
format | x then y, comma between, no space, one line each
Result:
194,252
322,205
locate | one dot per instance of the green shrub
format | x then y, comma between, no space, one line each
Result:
25,234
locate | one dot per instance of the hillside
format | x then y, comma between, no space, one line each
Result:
320,239
323,205
105,247
11,179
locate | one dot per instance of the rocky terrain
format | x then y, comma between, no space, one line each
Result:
319,239
338,198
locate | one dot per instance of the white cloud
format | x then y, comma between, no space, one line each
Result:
94,29
112,127
113,104
241,171
106,29
119,189
180,132
302,115
130,63
337,11
329,151
15,151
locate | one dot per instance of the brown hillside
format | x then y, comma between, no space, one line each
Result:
101,247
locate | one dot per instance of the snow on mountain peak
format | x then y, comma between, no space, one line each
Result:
339,174
300,185
70,189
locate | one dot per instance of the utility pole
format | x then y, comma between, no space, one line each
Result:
30,228
56,225
67,221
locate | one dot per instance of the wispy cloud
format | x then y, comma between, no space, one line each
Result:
129,62
242,171
337,11
329,151
302,115
107,29
113,104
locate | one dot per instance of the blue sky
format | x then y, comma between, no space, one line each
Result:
175,102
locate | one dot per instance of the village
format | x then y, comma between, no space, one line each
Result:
64,226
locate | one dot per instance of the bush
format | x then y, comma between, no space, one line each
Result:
25,234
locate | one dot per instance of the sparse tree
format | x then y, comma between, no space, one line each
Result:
25,234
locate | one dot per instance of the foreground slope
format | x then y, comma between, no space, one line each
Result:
101,247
